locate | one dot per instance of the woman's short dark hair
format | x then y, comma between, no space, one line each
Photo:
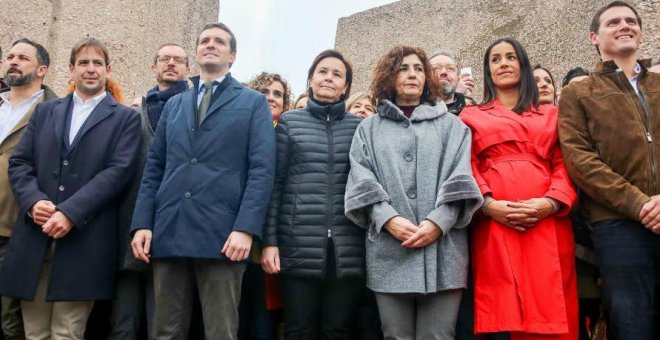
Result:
264,79
572,73
528,93
331,54
383,84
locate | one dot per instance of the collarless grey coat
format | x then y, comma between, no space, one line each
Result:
418,168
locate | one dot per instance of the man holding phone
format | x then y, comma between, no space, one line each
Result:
454,86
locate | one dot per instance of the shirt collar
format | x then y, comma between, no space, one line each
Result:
34,96
638,70
91,101
216,83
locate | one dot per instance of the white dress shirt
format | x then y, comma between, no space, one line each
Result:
633,80
81,111
201,89
11,115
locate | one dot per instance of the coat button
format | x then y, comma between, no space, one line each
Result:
65,162
412,194
193,161
408,157
61,188
187,194
406,124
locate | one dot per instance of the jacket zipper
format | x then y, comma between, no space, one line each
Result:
648,130
331,182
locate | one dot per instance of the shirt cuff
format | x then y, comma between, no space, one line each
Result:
555,205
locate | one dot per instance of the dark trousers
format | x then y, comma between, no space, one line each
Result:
629,261
219,287
318,308
465,322
367,325
10,314
254,319
133,305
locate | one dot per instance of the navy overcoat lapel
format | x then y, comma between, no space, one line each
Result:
104,109
59,115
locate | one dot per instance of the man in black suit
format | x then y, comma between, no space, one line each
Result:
75,158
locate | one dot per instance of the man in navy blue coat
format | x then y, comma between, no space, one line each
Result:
67,172
204,193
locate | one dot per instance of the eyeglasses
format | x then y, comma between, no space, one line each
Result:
449,67
164,59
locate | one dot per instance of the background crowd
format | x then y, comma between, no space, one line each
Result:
217,209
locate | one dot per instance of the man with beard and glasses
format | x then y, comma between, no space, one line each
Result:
454,87
135,287
27,64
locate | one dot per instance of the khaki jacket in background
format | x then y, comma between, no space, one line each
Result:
8,205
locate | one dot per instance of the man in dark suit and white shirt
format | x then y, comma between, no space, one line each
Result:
75,158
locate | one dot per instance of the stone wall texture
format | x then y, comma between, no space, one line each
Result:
554,32
131,29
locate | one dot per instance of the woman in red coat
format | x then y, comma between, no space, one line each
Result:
522,242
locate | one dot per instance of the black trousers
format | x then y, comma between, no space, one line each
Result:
319,308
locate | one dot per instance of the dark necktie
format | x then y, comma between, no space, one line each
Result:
206,101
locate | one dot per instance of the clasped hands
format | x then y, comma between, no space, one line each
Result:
520,215
411,235
53,222
650,214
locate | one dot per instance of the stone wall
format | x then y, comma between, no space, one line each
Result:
132,30
554,32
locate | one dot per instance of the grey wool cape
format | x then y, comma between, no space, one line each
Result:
418,168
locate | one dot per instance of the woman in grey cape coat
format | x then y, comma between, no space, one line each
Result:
411,187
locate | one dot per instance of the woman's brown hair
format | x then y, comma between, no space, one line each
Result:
384,79
264,79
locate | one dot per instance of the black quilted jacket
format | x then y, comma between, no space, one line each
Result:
307,205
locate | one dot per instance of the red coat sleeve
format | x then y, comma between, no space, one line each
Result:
481,182
561,188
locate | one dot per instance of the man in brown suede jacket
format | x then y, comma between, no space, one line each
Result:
609,129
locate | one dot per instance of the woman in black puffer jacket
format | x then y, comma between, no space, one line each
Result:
308,239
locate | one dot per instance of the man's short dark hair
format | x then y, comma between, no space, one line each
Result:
595,21
169,44
43,58
573,73
232,42
94,43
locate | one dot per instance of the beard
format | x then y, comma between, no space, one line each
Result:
23,80
161,80
447,90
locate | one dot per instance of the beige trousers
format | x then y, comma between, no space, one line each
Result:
65,320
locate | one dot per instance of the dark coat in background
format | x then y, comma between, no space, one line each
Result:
84,180
307,206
